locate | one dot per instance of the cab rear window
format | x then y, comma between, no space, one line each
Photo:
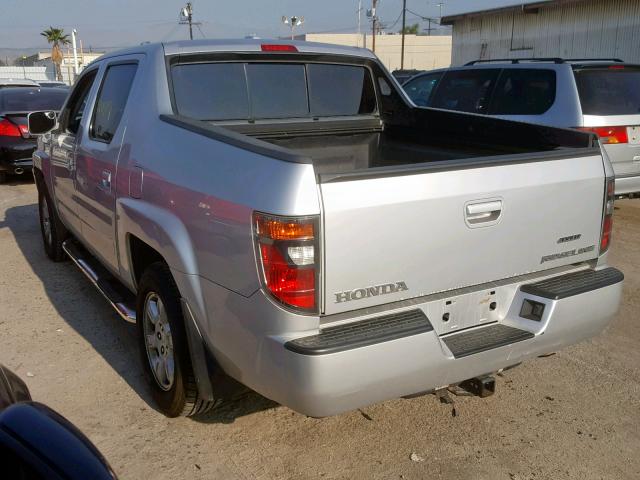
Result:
613,90
219,91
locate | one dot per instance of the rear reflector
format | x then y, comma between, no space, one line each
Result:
609,135
616,67
268,47
8,129
288,259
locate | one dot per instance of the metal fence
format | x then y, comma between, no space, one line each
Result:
36,73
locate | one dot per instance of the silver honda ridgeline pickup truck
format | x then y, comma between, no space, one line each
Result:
280,216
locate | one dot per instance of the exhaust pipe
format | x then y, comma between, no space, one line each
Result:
19,171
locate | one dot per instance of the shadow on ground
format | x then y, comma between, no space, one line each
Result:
88,313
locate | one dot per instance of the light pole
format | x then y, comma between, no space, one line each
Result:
24,71
74,32
293,22
440,5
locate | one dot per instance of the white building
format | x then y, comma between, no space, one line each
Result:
68,62
551,28
421,52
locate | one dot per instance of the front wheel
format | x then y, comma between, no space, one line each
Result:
53,231
165,353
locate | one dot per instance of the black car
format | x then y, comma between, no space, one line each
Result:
37,443
16,145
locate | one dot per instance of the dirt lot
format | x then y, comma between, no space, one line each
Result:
572,415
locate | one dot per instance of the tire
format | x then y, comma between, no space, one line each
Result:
163,345
53,231
3,177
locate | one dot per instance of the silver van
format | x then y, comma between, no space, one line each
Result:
598,95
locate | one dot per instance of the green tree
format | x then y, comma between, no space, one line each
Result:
57,38
411,29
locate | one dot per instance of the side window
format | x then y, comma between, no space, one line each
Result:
421,88
466,90
523,91
73,112
112,98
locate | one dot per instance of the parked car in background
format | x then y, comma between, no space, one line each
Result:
52,84
601,96
403,75
16,145
36,443
280,213
20,82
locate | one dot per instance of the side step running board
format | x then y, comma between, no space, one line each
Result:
482,339
120,298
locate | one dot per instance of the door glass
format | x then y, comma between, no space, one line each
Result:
421,88
524,91
465,90
111,100
72,114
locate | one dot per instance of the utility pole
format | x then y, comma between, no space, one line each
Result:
24,71
186,18
404,26
374,26
441,4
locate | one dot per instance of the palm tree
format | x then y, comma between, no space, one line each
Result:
56,37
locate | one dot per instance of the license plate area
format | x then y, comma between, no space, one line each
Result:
459,312
634,135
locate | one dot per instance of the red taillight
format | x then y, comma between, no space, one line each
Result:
269,47
616,67
609,135
607,221
8,129
288,259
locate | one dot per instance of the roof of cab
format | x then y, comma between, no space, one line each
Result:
240,45
255,45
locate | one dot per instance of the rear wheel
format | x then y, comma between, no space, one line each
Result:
163,343
3,177
53,231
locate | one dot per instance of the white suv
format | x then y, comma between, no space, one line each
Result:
599,95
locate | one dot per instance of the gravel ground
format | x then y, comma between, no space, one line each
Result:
572,415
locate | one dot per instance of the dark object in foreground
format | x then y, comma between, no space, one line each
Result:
38,443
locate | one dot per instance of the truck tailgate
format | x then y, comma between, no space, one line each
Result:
393,237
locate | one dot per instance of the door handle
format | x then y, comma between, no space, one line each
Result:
483,212
105,180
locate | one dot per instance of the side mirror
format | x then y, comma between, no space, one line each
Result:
41,122
38,443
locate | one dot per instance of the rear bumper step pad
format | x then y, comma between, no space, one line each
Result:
360,334
571,284
481,339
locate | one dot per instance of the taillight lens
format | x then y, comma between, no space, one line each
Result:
288,258
609,135
607,221
8,129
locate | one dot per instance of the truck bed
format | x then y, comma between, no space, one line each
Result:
431,136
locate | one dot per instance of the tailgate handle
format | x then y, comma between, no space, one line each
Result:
484,212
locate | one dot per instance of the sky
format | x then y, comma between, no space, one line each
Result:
120,23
